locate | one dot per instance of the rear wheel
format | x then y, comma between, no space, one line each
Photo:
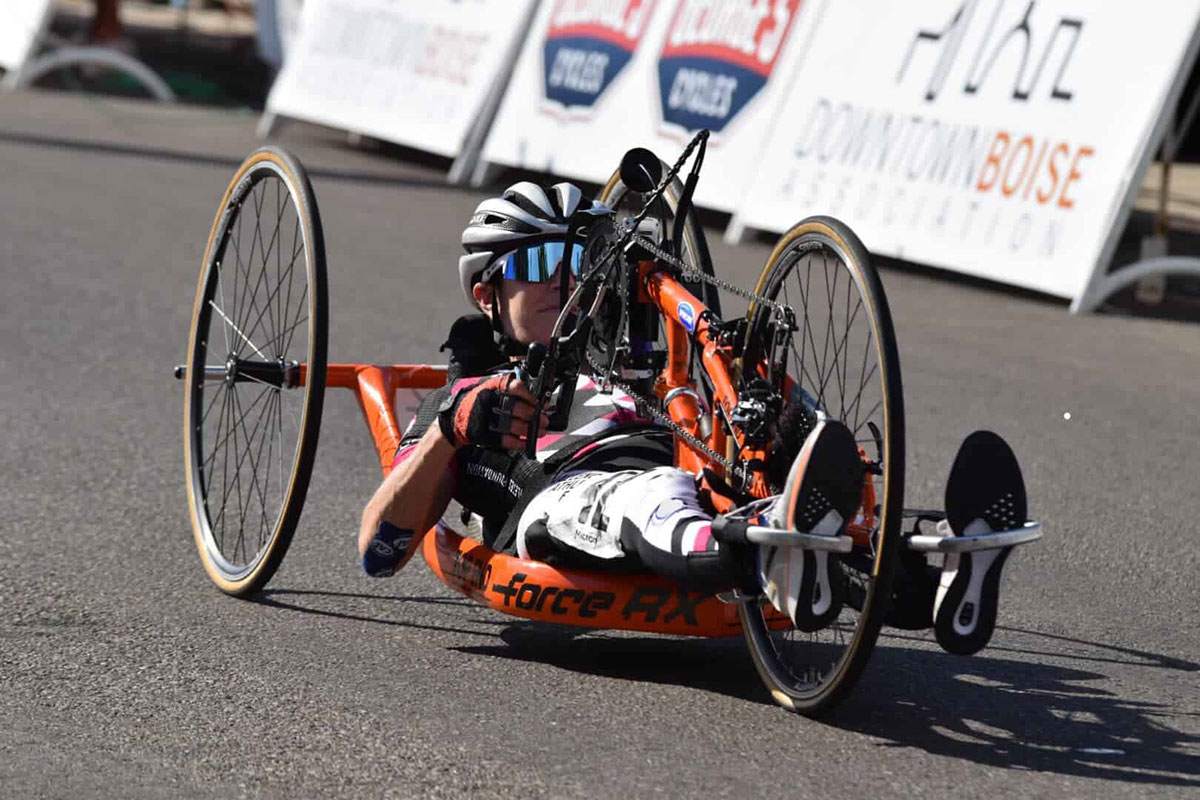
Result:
843,361
255,372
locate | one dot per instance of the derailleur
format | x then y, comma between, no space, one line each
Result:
759,406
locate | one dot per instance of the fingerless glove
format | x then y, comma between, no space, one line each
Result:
477,413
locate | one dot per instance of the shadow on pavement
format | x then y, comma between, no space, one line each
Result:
721,666
306,603
987,709
1022,715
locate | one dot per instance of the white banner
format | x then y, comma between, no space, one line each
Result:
21,24
992,137
278,22
413,73
597,77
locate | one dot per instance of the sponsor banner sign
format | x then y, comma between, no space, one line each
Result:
413,73
21,24
586,46
597,77
717,57
278,21
993,137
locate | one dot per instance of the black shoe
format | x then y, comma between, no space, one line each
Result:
984,494
822,494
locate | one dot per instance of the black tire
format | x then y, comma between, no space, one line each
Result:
695,247
255,373
822,271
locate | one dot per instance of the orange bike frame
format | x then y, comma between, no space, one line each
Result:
538,591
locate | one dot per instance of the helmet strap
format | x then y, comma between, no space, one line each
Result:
494,281
508,345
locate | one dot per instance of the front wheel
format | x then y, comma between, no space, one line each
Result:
842,360
255,373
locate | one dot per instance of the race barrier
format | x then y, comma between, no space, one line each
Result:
25,28
1000,138
278,22
597,77
24,21
1004,139
427,75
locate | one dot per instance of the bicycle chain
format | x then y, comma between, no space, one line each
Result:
699,276
646,405
689,273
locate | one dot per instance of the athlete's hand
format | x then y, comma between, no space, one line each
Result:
494,412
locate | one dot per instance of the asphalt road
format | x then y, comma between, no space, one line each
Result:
124,673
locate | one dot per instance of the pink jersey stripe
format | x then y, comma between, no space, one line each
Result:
403,453
548,439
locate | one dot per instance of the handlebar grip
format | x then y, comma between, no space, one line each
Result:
535,358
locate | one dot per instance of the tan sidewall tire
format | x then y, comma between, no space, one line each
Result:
268,560
866,632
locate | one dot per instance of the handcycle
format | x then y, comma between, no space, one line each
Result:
643,317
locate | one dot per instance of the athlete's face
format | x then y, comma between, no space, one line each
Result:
528,311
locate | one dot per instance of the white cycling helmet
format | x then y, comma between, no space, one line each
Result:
525,214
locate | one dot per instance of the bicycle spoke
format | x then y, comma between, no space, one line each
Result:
279,209
249,306
267,311
221,288
835,344
843,350
220,425
807,337
230,433
237,331
878,405
264,252
252,379
235,239
264,311
300,306
824,370
246,454
864,377
241,273
237,480
273,295
225,475
204,417
263,488
287,303
275,414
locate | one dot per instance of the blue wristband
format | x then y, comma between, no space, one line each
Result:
387,550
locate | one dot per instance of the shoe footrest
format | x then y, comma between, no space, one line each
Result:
1029,532
809,541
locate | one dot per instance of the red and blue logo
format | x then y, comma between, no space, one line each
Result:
587,45
717,56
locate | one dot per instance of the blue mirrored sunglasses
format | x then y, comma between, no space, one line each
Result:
537,263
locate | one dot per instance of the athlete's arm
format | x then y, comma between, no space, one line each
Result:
415,495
